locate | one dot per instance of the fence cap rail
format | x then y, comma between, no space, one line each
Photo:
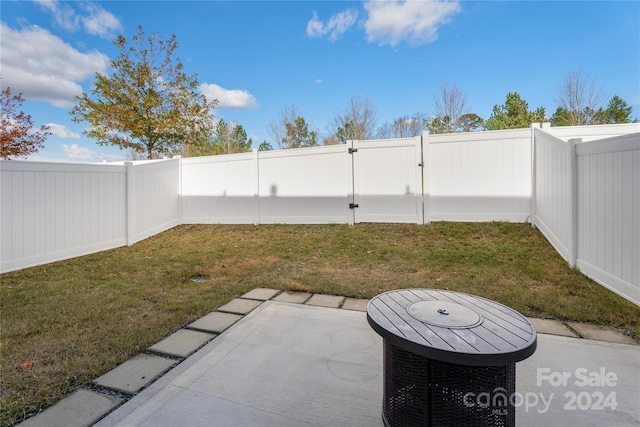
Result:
609,145
31,166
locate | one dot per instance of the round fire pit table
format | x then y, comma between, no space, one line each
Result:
449,357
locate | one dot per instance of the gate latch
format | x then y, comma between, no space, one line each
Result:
353,205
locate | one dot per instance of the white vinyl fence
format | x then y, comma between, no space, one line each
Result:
153,198
587,204
304,186
317,185
55,211
220,189
583,196
387,180
485,176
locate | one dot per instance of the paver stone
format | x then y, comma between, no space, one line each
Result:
135,373
182,343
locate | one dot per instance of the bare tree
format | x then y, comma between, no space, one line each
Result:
403,127
450,105
579,100
278,126
357,121
385,131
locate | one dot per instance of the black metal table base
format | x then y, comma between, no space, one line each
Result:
423,392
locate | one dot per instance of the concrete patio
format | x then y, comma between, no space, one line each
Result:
294,359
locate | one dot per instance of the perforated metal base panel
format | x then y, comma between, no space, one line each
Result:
424,392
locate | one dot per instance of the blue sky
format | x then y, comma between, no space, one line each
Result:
260,57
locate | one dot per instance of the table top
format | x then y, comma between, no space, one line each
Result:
452,327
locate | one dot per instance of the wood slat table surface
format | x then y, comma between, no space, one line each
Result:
452,327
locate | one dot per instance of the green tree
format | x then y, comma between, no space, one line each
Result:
18,137
345,133
514,114
298,135
618,111
586,116
229,138
148,103
470,122
439,125
265,146
241,143
561,117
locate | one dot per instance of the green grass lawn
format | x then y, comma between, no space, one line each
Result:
66,323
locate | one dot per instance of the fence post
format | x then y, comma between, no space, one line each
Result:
426,183
130,202
417,140
179,157
352,199
534,126
572,183
256,191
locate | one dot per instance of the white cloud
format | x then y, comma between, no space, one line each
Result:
92,18
76,152
43,67
414,22
63,15
390,21
228,98
61,131
99,22
318,81
337,25
315,27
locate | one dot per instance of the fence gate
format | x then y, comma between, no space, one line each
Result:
387,180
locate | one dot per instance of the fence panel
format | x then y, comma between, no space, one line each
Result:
54,211
553,191
306,185
478,176
220,189
154,198
387,180
608,200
